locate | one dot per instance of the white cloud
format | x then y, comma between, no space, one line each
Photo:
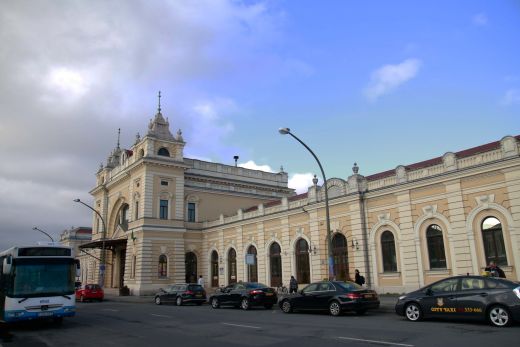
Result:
298,181
389,77
253,166
302,181
512,97
480,19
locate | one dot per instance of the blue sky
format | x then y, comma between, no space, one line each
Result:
380,83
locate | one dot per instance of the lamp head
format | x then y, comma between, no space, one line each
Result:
77,200
35,228
284,131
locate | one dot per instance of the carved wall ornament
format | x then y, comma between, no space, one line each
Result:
485,200
450,161
429,210
401,174
383,217
509,146
163,249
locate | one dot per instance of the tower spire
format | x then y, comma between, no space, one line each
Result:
159,107
118,136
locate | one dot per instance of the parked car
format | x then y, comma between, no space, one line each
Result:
244,295
181,294
464,297
90,292
334,296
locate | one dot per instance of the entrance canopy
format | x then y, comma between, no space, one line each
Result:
109,244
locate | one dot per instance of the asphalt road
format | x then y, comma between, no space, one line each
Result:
139,324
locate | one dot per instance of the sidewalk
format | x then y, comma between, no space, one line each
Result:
387,302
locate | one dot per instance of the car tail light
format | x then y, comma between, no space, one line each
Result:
517,292
354,296
188,292
255,292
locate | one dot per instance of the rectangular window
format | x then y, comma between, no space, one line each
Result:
164,183
191,212
163,209
136,210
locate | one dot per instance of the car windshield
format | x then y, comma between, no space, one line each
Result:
253,285
195,287
348,286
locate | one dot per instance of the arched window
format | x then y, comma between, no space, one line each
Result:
164,152
303,272
340,254
190,266
163,266
252,269
214,269
435,244
388,251
493,241
232,266
140,154
123,217
275,261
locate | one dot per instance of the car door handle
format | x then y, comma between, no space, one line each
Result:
483,294
451,298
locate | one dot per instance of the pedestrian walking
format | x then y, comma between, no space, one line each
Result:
359,279
494,270
293,285
201,281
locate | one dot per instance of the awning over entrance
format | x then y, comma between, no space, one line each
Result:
109,244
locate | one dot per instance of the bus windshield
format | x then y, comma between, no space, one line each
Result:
42,277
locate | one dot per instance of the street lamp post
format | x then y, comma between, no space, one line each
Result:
285,131
102,262
40,230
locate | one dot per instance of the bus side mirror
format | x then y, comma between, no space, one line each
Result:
78,269
6,266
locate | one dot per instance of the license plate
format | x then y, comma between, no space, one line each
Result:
45,314
269,294
198,295
368,296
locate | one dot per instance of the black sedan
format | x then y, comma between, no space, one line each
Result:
244,295
334,296
464,297
181,294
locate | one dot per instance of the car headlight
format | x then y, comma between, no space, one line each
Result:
517,292
402,297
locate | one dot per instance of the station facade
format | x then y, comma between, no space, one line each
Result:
170,219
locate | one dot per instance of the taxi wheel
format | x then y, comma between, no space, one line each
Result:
244,304
413,312
499,316
286,306
334,308
158,300
178,301
215,303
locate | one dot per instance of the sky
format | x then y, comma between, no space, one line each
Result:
380,83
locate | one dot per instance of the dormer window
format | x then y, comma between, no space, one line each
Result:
164,152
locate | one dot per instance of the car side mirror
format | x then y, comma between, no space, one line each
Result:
429,292
6,266
302,292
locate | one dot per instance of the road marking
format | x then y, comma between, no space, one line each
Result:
374,341
242,326
110,309
159,315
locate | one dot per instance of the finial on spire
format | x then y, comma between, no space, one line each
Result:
355,169
315,181
159,108
118,136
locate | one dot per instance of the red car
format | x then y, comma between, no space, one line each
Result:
90,292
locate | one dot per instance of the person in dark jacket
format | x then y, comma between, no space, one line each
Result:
293,285
359,279
494,270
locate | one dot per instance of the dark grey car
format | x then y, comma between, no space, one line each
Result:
464,297
181,294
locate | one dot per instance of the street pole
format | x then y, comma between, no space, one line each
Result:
285,131
102,263
40,230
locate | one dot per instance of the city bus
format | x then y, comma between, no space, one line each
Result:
37,282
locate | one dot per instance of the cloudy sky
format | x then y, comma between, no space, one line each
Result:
379,83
